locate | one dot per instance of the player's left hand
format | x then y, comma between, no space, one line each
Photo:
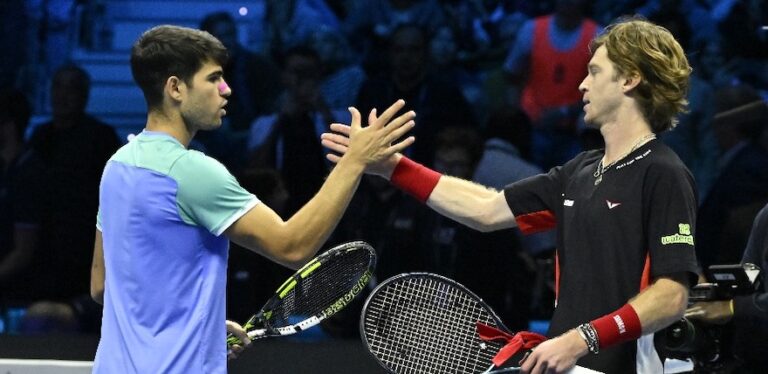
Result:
556,355
239,332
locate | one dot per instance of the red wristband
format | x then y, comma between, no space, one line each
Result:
620,326
414,178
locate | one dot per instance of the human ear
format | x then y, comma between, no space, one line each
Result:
631,81
175,87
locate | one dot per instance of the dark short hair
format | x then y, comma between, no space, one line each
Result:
15,107
166,51
512,125
215,18
301,50
466,138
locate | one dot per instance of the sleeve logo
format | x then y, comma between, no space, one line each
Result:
683,237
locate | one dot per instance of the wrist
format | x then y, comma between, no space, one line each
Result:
415,179
617,327
391,164
580,342
589,337
351,165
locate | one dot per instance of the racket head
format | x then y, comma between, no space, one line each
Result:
426,323
323,286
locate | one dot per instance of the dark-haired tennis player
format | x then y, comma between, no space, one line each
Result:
624,215
160,257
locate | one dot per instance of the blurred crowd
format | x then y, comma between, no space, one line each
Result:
494,84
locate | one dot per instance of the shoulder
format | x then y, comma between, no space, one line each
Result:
664,169
664,160
199,165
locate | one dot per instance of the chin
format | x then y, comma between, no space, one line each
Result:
211,126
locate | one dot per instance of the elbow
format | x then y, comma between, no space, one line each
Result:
485,227
287,250
295,258
678,302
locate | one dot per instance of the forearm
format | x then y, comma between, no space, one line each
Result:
20,257
479,207
661,304
307,230
474,205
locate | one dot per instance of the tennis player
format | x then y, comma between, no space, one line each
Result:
624,215
166,214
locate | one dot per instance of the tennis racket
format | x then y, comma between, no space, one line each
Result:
315,292
426,323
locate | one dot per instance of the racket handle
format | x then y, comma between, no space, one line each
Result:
232,340
250,325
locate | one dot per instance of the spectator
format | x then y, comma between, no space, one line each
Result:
342,75
289,141
74,147
741,187
506,159
438,104
693,139
255,81
745,316
371,24
548,61
290,23
20,192
446,65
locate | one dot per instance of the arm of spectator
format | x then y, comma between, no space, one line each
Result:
25,238
517,63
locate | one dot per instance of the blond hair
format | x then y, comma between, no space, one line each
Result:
636,46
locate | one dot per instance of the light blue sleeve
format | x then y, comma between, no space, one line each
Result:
208,195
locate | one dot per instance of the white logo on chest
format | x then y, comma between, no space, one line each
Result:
611,204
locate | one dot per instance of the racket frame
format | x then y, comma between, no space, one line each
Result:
440,279
258,325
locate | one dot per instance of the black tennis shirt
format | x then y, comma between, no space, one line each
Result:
613,238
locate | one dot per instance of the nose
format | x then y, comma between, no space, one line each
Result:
583,84
224,89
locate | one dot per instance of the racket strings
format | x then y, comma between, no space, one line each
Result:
322,287
427,326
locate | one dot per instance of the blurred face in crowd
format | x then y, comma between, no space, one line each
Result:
443,47
69,95
407,53
204,98
301,77
454,161
226,32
